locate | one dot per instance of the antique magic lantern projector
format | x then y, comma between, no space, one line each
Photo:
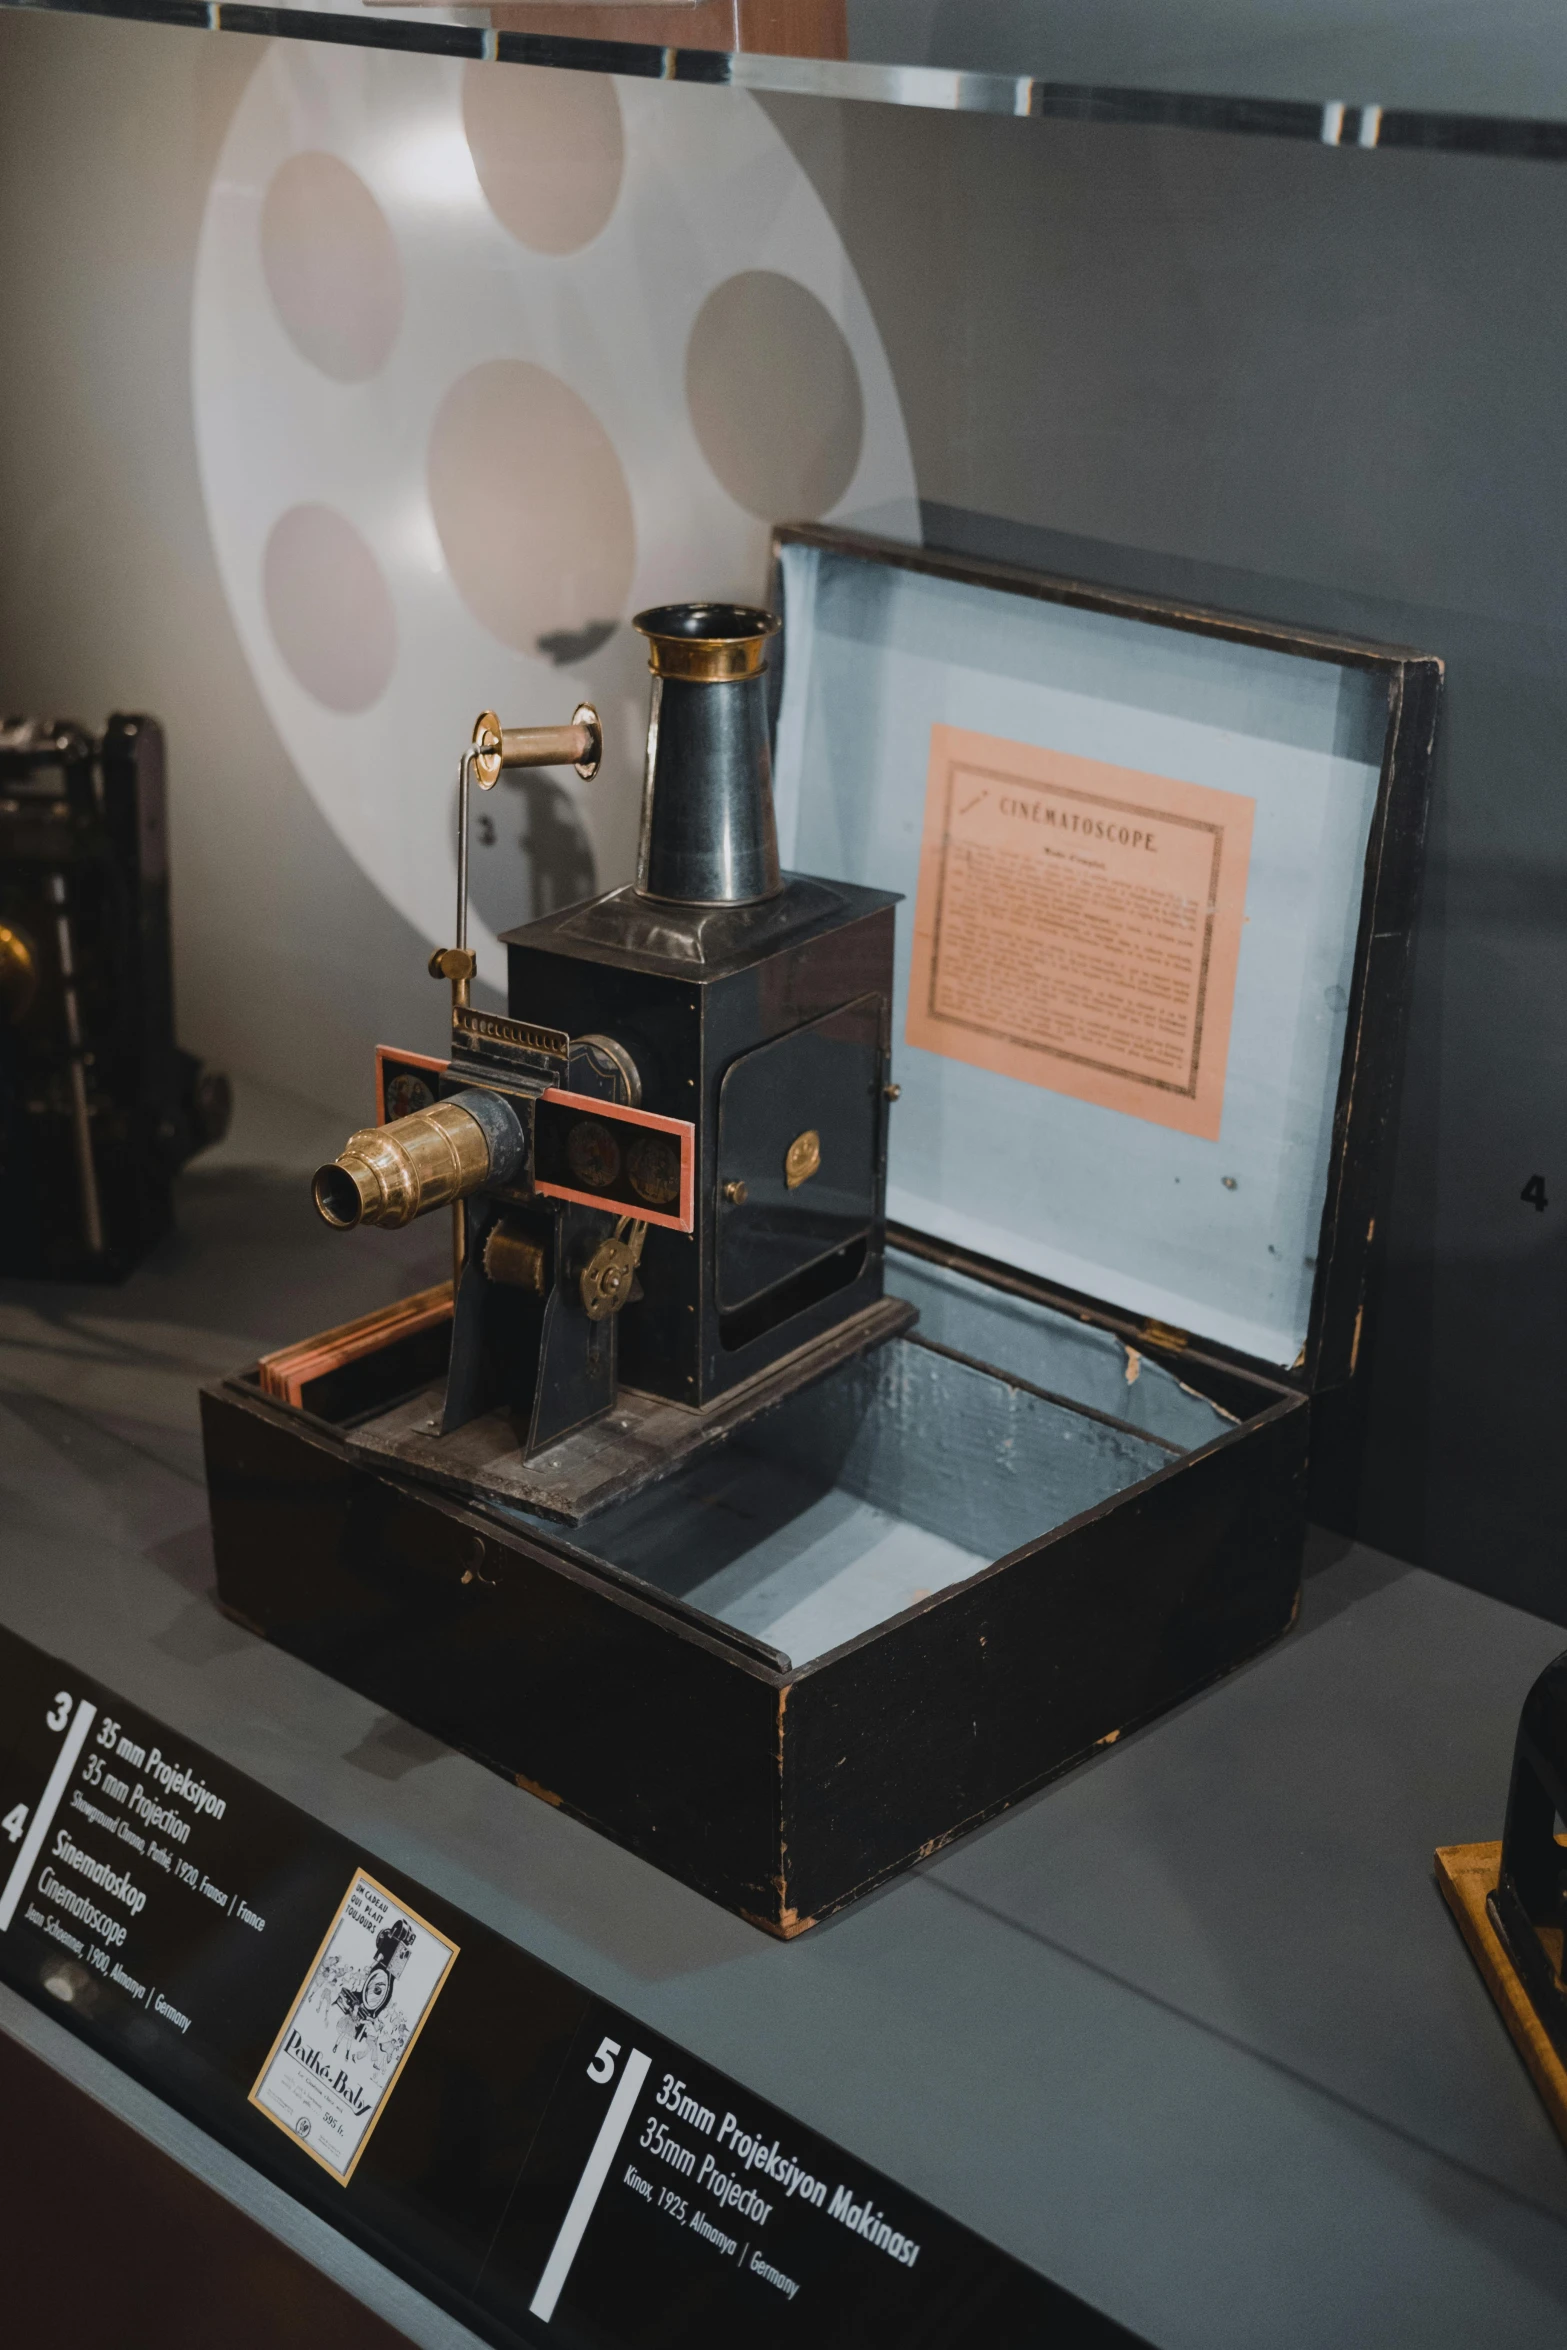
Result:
667,1164
788,1492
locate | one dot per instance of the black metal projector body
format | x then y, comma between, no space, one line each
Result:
762,1024
668,1162
753,1005
1529,1906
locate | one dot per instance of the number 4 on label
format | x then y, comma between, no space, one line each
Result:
15,1821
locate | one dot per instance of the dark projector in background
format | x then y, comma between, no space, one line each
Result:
99,1108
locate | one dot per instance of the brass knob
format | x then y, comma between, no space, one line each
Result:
453,963
803,1158
458,964
735,1193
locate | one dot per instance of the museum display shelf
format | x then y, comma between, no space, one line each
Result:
1191,2033
1403,74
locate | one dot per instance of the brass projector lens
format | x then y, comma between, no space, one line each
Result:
340,1199
391,1174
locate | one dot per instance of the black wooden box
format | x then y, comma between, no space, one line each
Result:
1160,870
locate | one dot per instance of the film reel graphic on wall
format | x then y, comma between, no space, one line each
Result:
486,358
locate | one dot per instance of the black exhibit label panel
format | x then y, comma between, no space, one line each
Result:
529,2156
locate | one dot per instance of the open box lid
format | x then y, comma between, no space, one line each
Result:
1160,871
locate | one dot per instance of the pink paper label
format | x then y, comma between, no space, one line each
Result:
1078,926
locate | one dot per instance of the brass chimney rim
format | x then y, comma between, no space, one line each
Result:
706,644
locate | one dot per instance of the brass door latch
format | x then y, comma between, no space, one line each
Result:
803,1158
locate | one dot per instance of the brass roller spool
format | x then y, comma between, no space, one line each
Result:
579,745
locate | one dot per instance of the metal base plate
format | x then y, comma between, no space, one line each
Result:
643,1439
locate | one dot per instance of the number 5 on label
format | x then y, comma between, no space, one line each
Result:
602,2068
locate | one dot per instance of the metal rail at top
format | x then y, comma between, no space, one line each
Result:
1331,122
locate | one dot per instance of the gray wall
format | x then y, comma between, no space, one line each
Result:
1317,385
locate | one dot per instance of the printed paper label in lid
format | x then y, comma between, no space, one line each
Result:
1078,926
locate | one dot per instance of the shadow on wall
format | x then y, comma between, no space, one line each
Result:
485,358
529,853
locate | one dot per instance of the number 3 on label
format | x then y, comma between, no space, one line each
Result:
602,2068
15,1821
60,1712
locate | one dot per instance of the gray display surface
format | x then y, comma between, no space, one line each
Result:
1191,2031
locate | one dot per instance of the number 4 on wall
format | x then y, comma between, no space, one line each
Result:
1533,1194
